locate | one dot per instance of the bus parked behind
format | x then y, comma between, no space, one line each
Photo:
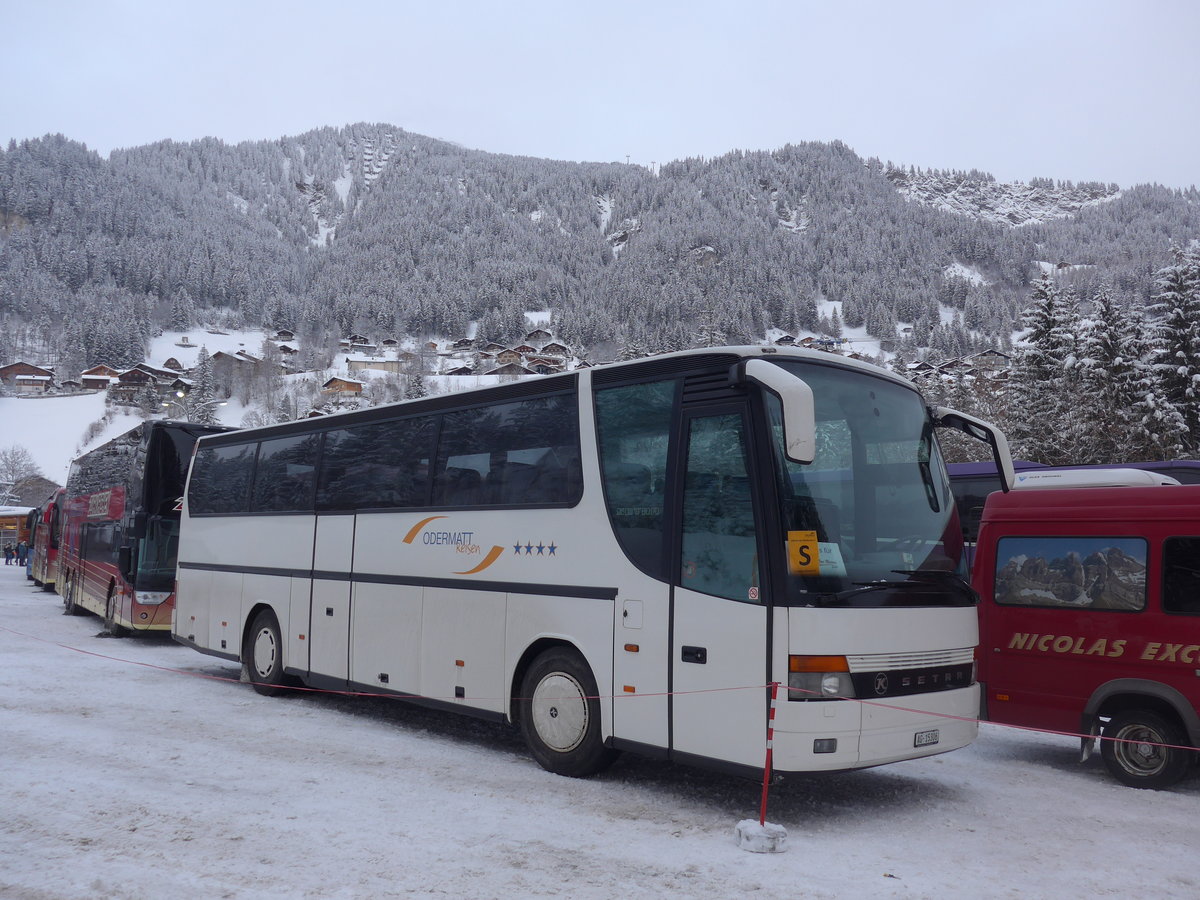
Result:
43,551
120,526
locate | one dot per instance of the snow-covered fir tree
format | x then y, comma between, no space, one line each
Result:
1176,361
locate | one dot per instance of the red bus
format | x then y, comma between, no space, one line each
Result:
1090,621
120,526
43,551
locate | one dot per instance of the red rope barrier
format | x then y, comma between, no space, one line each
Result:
773,686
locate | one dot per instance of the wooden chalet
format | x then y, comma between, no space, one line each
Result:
173,364
342,387
990,360
97,378
538,336
544,366
525,349
508,357
511,369
378,365
26,378
130,382
284,334
554,349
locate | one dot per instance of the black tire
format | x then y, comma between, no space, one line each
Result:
70,607
110,616
262,655
1134,760
560,715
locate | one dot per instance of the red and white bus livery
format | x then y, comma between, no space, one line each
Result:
43,553
120,526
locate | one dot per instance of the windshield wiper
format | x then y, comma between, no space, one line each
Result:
918,578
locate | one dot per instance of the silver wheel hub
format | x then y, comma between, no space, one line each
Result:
560,712
1144,757
265,652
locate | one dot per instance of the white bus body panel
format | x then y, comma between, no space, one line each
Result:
729,687
871,731
385,636
329,624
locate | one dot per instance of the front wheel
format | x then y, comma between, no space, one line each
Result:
110,616
70,607
560,715
262,655
1137,756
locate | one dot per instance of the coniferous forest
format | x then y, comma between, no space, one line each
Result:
374,230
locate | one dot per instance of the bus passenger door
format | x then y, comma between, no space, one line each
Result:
719,611
329,622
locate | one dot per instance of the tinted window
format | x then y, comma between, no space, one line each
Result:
285,473
382,465
1181,575
524,453
1072,572
718,551
221,479
634,424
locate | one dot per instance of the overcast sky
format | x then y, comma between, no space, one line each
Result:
1086,90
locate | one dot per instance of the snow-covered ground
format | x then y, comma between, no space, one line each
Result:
137,768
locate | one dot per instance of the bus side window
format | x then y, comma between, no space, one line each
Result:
634,424
1181,575
221,479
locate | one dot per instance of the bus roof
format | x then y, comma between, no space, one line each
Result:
1117,504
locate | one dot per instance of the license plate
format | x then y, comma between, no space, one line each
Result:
925,738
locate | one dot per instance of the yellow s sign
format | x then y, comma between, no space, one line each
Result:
803,556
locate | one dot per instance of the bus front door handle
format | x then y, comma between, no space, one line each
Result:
695,655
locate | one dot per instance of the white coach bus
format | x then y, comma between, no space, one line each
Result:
616,558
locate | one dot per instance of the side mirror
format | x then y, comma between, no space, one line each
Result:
981,431
125,562
796,399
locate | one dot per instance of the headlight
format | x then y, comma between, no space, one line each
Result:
819,678
151,598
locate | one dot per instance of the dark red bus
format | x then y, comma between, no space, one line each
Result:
1090,621
120,526
43,550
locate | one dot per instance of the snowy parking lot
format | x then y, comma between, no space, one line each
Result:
137,768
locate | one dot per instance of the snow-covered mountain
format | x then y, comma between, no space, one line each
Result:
982,197
370,228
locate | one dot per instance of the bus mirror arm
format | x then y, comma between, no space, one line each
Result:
980,430
137,528
796,400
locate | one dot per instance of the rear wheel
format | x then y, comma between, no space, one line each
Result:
1136,755
560,715
262,655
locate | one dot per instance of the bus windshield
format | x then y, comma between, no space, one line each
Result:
157,553
875,501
